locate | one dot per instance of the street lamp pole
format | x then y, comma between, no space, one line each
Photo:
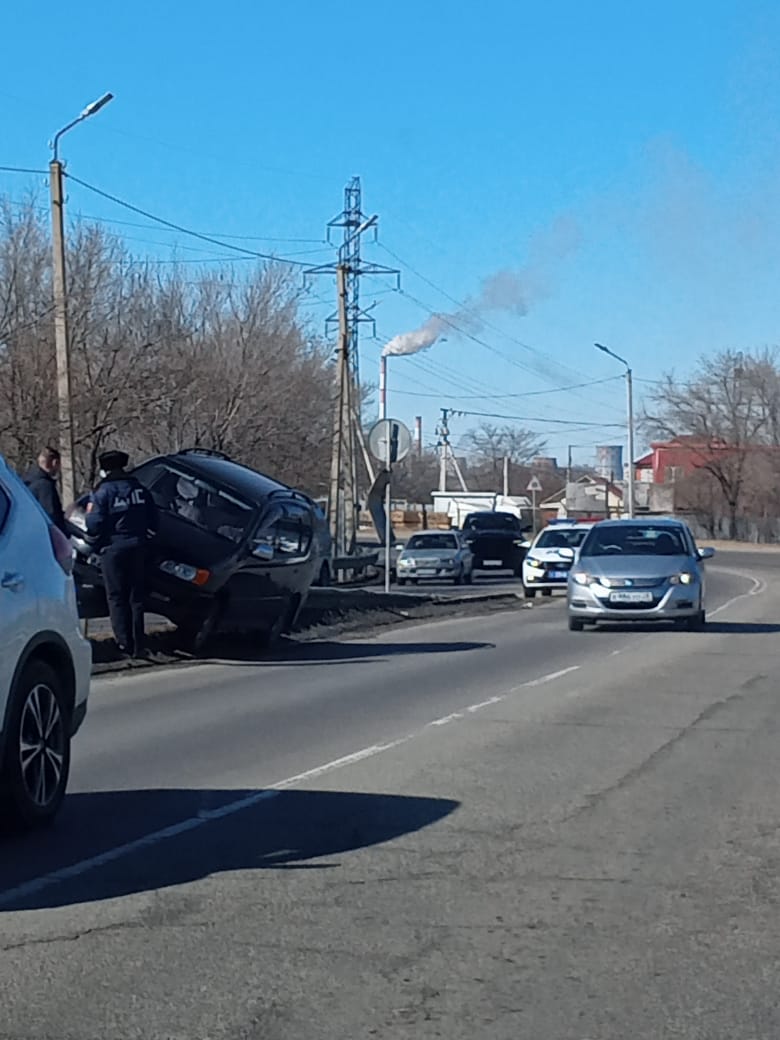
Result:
59,285
630,412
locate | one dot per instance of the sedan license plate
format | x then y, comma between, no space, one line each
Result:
557,574
631,597
493,563
426,572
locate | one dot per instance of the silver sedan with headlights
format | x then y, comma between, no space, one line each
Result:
442,555
638,570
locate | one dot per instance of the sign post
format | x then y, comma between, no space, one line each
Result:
389,441
534,486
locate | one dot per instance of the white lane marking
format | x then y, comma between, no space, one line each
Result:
74,870
485,704
447,718
544,679
339,763
758,587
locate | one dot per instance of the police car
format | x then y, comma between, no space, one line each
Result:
548,561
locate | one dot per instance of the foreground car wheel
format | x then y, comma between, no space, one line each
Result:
36,761
575,625
530,593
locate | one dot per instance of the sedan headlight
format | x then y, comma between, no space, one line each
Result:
583,578
404,562
533,562
684,578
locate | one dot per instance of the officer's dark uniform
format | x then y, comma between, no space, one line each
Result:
121,517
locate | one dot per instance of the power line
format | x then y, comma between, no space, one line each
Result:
531,418
180,228
22,169
24,203
528,393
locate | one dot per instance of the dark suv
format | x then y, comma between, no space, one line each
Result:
235,550
497,541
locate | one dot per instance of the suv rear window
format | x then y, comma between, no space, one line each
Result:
195,500
493,522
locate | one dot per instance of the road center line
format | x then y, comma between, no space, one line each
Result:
75,870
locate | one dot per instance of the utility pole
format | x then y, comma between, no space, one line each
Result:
59,285
61,341
446,455
347,424
506,476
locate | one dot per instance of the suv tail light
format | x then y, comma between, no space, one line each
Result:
62,549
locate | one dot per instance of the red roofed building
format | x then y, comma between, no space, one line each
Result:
669,461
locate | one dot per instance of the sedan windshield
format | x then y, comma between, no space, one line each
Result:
561,539
634,540
432,541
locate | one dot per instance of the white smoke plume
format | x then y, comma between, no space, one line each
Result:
513,291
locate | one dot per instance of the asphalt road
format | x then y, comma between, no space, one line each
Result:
474,828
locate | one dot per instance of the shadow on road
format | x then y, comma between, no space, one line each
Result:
330,652
712,628
748,628
140,841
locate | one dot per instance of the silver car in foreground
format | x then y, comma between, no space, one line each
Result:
638,570
436,554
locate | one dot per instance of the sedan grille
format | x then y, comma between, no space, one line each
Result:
636,583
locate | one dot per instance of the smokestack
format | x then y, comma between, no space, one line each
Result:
418,435
383,387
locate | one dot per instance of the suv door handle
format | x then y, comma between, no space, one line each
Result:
12,582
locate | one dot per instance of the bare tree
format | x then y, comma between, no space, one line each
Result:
161,359
729,408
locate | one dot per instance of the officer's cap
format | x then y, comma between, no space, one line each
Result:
111,460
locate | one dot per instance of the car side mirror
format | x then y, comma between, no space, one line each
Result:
705,554
263,549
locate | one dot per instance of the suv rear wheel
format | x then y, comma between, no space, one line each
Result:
36,759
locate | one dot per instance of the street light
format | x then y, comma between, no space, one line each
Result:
61,341
630,397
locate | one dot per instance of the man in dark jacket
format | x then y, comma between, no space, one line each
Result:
42,482
120,517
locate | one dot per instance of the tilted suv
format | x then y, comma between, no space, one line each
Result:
44,660
235,551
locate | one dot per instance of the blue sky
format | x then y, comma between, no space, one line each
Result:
649,128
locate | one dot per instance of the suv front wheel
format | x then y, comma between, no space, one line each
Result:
36,759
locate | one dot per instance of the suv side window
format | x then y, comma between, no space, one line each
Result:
292,531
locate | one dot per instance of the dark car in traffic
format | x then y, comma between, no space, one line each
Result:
497,541
235,550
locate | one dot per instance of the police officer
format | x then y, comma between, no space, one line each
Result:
120,517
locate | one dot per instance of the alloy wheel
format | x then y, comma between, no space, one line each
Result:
42,745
